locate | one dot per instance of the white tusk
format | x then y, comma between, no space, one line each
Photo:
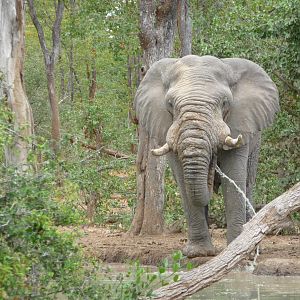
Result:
161,151
233,143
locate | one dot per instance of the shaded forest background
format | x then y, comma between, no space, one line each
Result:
91,178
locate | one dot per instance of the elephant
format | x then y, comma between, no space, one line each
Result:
204,111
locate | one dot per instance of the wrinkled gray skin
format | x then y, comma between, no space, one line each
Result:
191,105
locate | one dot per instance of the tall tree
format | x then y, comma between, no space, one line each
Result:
50,58
184,23
11,81
158,28
157,32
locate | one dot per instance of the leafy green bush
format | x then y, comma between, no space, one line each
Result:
217,211
138,282
35,258
173,206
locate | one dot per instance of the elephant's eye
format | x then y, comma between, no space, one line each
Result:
225,104
170,105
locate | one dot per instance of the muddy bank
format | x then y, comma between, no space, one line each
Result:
279,255
278,267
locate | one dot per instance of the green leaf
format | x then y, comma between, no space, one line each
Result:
177,255
189,266
176,267
152,277
165,263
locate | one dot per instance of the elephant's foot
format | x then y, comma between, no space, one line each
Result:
198,248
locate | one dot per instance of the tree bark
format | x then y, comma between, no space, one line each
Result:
62,80
55,121
148,218
273,216
71,72
12,17
92,78
93,84
184,24
158,23
71,57
50,58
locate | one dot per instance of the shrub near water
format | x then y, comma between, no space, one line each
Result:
35,259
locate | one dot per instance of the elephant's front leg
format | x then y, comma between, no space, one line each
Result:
234,164
199,240
252,170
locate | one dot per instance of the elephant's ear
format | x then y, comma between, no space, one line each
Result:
255,98
149,103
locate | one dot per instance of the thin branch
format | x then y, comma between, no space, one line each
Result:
56,30
3,225
107,151
40,30
72,69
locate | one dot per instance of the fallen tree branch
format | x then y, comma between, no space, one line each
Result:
107,151
269,218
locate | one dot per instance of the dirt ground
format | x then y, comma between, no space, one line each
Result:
279,254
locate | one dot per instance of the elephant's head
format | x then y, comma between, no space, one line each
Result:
195,105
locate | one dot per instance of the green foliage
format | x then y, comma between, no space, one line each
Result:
217,211
286,26
35,258
5,124
85,171
105,35
279,166
141,281
173,207
138,282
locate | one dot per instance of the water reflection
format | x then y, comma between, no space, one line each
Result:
245,286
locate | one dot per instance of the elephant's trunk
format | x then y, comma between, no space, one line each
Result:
195,176
197,141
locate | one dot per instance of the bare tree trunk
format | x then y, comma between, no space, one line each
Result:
130,65
72,77
55,121
50,59
71,72
158,23
148,218
93,85
11,81
184,27
273,216
71,61
62,79
92,78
